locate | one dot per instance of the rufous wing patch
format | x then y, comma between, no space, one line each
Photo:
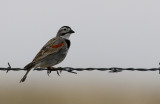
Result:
58,45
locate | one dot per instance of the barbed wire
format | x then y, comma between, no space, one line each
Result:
72,70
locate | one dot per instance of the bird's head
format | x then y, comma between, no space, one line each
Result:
65,32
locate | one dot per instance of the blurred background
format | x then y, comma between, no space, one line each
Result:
109,33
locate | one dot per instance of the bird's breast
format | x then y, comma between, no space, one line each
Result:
68,43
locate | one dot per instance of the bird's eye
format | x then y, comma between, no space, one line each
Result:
65,29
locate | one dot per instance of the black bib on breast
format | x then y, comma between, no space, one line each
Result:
68,43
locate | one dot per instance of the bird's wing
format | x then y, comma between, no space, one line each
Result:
52,46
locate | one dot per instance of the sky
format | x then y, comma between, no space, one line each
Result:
108,33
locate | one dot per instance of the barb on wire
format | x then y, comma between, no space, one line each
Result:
72,70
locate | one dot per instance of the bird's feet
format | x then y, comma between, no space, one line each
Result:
49,70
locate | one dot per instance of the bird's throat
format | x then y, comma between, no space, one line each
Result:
66,36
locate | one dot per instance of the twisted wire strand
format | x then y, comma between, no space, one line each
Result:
71,70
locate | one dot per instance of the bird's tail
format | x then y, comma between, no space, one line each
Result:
28,67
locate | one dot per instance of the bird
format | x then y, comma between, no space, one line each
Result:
52,53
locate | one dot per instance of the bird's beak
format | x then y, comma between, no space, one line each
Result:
72,31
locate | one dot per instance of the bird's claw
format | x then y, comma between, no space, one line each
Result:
52,68
58,73
49,72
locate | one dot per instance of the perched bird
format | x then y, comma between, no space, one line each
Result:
53,52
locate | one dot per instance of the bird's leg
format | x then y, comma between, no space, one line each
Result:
50,68
58,73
